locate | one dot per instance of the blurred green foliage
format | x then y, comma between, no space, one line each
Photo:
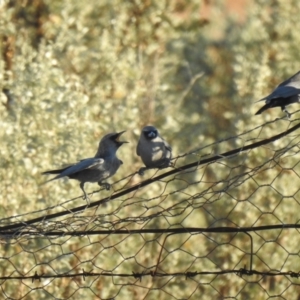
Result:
77,70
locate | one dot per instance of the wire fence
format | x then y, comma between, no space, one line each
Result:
221,223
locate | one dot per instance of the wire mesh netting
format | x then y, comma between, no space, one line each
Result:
222,222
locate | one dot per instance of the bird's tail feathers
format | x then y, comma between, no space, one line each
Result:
263,99
265,107
48,180
50,172
58,171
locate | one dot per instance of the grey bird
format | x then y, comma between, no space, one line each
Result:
285,93
95,169
154,151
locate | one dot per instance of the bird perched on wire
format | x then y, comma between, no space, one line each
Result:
154,151
96,169
286,93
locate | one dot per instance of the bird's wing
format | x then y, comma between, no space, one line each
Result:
168,147
88,163
293,79
285,89
80,166
284,92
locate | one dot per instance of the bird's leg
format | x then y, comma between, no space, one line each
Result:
170,165
85,196
142,170
286,111
166,164
105,184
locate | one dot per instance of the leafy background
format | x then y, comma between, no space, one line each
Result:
72,71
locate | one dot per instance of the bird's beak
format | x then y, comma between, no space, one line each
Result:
118,135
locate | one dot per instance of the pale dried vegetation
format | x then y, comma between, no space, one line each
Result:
72,71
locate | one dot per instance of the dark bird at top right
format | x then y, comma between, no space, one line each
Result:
286,93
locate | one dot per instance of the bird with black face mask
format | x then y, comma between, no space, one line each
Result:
286,93
96,169
154,151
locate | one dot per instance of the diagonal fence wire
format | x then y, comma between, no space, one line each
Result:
225,225
157,178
